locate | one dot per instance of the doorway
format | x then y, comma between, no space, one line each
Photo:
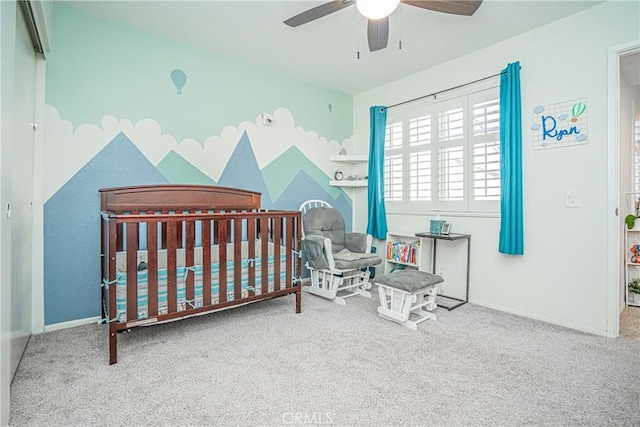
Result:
629,140
624,179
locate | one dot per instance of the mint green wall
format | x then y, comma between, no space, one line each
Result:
97,67
131,127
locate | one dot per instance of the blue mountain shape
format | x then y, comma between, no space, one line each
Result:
178,170
282,170
242,171
303,188
72,272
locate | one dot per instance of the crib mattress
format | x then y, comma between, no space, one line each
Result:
183,271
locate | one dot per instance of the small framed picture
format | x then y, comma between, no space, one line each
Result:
446,227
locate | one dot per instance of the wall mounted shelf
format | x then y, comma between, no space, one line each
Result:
347,183
350,158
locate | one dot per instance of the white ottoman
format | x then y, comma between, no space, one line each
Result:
407,292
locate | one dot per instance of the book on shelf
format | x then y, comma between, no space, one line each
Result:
402,252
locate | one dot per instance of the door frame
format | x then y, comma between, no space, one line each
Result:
614,224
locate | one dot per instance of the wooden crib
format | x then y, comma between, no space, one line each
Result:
174,251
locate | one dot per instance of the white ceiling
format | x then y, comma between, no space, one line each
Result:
324,52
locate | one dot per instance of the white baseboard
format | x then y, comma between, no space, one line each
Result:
70,324
88,320
542,318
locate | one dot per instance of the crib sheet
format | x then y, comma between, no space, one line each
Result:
183,271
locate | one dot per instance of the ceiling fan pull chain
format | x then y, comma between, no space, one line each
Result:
400,26
358,34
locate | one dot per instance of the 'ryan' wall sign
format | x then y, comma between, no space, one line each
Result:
560,125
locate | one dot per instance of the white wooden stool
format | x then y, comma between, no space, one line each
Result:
407,292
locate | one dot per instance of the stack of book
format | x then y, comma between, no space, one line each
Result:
402,252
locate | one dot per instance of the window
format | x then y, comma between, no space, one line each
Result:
445,155
393,162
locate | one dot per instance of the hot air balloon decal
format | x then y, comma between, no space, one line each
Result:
577,110
330,107
179,79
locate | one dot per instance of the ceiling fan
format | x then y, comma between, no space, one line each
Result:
377,13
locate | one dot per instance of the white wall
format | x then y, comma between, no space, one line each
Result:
562,278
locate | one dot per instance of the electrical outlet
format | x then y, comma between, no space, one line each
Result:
441,271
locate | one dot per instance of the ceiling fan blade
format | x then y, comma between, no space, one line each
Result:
377,33
460,7
318,12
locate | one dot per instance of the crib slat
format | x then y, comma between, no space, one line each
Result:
119,239
264,239
104,266
277,238
299,262
152,267
163,240
110,255
172,243
222,261
289,255
190,241
206,262
179,234
237,258
132,271
251,238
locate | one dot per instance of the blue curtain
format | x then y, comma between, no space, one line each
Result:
377,225
511,224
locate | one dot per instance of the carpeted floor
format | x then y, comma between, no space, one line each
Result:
331,365
630,323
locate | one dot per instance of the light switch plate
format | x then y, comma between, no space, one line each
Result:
570,199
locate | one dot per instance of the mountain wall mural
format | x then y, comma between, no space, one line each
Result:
242,171
303,188
71,215
177,169
72,272
281,172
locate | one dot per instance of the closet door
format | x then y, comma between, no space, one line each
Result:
22,190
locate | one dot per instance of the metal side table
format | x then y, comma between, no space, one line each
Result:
450,237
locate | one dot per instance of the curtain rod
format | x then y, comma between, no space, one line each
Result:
446,90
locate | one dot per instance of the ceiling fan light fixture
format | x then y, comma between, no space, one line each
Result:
376,9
